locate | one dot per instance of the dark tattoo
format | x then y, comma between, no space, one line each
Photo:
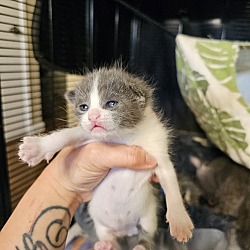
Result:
42,236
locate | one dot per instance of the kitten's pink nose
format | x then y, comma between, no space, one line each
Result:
93,115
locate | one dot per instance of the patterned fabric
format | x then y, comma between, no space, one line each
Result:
207,72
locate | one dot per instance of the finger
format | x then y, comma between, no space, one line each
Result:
132,157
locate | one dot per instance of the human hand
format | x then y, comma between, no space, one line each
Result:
46,210
81,169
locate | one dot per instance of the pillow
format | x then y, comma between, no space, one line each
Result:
214,79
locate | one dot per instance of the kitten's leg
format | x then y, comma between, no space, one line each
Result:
180,223
108,241
37,148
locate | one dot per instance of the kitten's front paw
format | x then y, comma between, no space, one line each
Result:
32,152
103,245
180,224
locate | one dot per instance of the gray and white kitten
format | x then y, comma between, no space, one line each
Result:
115,106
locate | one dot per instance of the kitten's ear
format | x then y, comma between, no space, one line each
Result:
142,94
71,96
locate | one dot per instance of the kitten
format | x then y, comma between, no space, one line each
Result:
226,186
115,106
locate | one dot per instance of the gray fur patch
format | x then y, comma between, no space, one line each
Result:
131,93
82,93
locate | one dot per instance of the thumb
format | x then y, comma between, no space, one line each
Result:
132,157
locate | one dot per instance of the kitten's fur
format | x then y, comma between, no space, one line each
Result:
115,106
227,185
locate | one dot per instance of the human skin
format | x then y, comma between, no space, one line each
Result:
43,216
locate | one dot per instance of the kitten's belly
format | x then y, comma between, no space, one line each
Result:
121,199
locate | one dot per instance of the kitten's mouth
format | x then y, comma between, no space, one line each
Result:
97,128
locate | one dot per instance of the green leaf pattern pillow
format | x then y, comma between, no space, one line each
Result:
207,78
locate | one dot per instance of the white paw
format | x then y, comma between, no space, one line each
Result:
139,247
103,245
180,224
32,152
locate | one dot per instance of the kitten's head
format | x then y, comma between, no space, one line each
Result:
110,101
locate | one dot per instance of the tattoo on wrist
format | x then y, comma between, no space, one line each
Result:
45,233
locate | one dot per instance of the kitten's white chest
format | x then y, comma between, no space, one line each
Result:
120,199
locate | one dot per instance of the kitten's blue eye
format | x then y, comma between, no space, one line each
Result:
84,107
111,104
